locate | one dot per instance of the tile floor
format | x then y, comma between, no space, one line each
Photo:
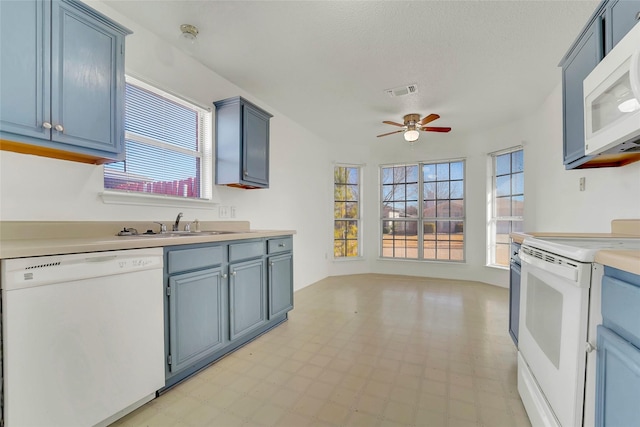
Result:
363,350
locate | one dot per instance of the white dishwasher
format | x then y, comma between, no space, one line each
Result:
82,335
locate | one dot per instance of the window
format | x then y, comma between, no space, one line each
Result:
346,211
507,203
422,212
168,146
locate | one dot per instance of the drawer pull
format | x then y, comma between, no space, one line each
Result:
46,125
281,245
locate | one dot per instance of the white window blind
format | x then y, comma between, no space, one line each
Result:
168,145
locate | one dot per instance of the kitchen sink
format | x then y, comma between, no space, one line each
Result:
179,234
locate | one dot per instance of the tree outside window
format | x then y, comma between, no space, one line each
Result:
422,212
346,211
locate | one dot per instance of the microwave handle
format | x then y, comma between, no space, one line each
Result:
634,74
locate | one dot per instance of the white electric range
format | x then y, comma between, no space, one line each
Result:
559,312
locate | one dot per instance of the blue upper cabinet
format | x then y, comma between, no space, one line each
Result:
583,59
622,16
62,72
242,144
609,24
25,68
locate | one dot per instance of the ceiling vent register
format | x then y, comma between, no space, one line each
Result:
402,90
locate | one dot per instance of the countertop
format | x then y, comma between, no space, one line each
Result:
627,260
23,239
622,260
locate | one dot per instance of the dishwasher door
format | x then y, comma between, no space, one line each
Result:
83,336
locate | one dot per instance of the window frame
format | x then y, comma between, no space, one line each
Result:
204,153
492,206
358,219
420,218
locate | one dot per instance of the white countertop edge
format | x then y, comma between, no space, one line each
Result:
44,247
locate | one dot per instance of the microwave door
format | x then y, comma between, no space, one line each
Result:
611,101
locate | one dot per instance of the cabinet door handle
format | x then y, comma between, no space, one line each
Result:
638,16
246,173
233,273
271,264
59,128
225,275
46,125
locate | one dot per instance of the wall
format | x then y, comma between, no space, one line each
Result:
553,201
36,188
300,197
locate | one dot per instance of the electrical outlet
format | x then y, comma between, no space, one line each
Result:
233,211
582,183
223,211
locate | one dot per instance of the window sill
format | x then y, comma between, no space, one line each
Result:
351,258
428,261
131,198
498,267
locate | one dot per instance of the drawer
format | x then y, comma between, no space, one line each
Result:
284,244
191,259
240,251
621,308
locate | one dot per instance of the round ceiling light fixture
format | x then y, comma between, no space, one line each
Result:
411,135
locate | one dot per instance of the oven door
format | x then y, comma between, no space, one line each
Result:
553,331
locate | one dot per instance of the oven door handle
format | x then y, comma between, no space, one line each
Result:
565,271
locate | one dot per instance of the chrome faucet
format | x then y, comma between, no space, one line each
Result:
175,226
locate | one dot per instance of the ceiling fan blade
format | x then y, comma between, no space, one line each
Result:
435,129
392,123
429,119
391,133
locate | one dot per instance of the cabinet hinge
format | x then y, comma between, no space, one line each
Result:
169,360
168,290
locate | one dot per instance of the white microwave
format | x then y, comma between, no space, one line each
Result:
612,100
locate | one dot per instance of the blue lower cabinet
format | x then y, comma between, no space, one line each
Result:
247,297
196,316
217,300
618,381
618,360
280,284
514,301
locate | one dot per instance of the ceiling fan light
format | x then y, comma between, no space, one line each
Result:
411,135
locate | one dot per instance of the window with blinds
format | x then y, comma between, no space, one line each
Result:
168,146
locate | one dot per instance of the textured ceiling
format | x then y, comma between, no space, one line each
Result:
326,64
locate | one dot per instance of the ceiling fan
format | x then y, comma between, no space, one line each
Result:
413,124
